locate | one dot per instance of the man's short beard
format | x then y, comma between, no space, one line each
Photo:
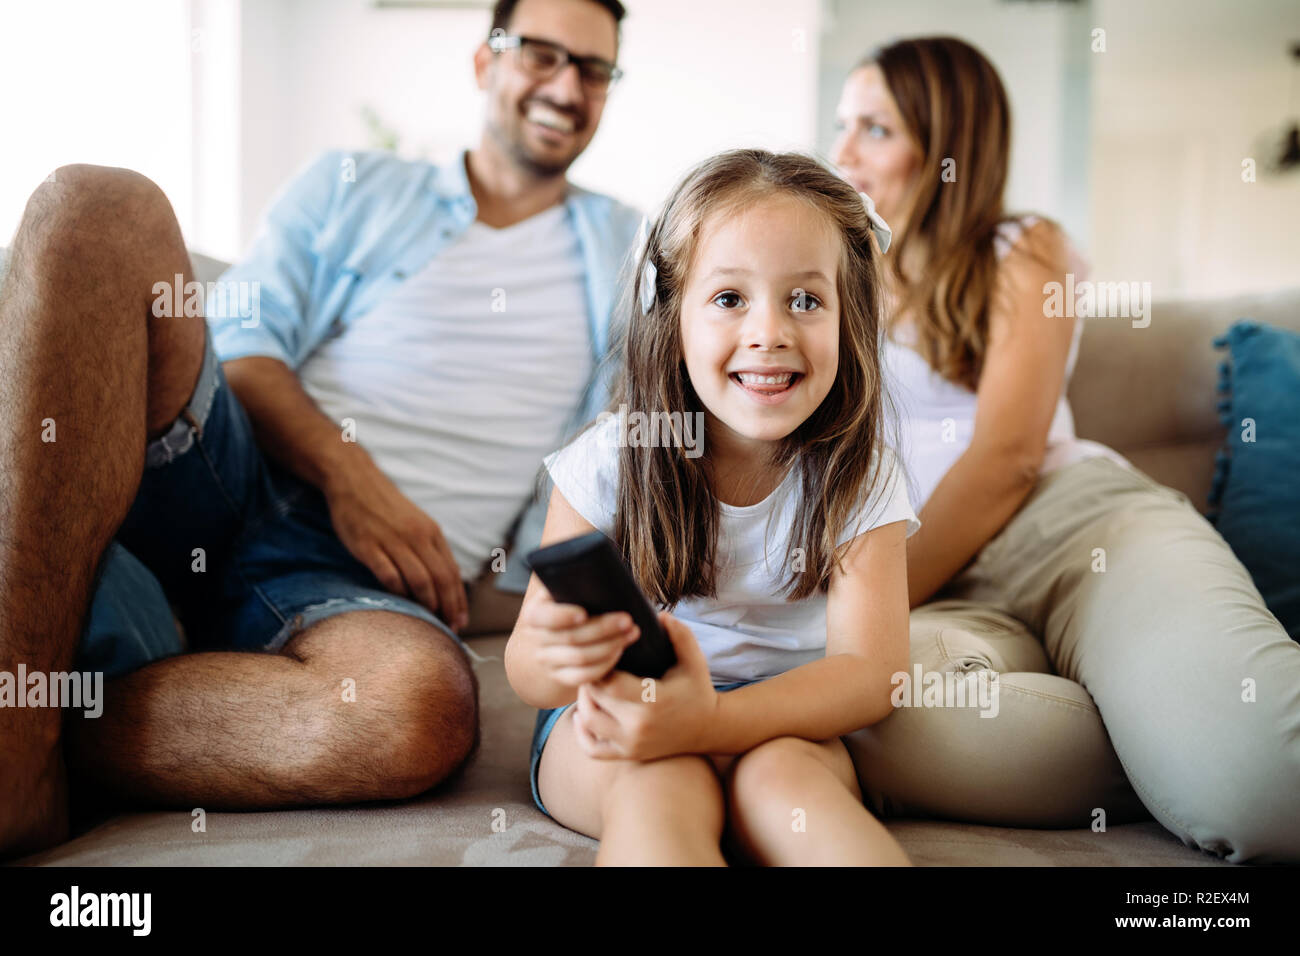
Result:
530,164
539,169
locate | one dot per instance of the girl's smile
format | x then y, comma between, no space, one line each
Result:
769,386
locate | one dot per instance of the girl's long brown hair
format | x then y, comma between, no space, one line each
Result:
667,516
944,264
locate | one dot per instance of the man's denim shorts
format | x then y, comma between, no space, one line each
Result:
240,551
546,721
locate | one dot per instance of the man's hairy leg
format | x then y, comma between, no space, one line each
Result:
366,705
85,375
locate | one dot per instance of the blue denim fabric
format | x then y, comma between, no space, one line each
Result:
241,552
546,721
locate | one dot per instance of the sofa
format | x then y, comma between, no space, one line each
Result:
1148,392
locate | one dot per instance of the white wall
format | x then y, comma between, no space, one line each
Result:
216,137
310,66
80,83
701,75
1181,96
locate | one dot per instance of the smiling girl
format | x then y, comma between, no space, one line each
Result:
781,550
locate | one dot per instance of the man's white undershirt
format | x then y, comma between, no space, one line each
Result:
465,376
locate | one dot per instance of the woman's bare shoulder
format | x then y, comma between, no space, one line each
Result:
1031,239
1038,251
1040,256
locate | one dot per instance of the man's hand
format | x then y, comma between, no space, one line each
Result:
401,545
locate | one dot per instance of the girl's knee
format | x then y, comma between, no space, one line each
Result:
680,778
774,768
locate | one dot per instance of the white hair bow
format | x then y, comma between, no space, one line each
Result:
649,274
879,227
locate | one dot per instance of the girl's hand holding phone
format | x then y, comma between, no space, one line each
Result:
570,645
625,717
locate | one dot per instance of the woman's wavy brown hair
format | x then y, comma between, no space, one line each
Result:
944,264
667,516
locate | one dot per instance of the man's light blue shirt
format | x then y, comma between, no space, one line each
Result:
350,227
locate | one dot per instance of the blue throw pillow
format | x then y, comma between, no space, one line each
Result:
1255,500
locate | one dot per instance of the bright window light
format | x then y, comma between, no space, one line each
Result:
92,82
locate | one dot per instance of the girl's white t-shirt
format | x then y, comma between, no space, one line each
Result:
749,631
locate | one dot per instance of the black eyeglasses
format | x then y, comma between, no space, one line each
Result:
544,59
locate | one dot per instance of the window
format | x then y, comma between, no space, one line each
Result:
94,82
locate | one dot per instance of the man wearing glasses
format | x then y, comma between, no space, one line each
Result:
422,337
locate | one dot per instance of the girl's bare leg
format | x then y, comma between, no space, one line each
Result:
666,812
792,802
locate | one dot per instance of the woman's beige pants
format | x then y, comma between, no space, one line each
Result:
1117,661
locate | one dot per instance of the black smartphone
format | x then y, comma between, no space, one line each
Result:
588,571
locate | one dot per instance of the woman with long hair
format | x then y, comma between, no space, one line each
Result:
1126,663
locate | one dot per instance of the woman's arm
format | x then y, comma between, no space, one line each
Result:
866,644
1021,382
